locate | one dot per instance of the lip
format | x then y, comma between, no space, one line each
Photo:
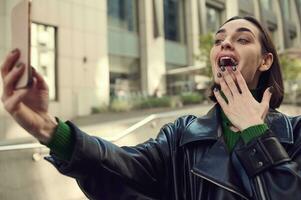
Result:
223,54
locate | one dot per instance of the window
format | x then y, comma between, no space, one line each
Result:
266,4
43,54
273,34
213,19
286,8
174,26
123,14
298,3
124,76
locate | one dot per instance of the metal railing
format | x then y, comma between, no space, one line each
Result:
126,132
13,147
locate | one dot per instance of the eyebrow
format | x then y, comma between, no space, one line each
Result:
242,29
220,31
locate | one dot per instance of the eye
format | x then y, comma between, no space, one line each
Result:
243,41
217,42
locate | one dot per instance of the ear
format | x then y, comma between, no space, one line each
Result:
266,63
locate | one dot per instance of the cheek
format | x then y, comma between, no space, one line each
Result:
250,63
213,53
249,73
249,68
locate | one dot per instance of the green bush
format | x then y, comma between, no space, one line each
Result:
191,98
291,68
100,109
205,43
120,105
153,102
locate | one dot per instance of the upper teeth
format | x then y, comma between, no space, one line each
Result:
225,57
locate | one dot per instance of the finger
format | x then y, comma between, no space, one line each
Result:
12,103
230,82
9,62
264,114
267,96
266,101
241,82
11,79
219,98
226,90
41,84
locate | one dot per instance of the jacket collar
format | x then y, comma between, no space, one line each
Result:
208,127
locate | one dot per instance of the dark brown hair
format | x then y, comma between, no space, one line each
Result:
271,77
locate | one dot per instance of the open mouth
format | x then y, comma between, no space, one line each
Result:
227,62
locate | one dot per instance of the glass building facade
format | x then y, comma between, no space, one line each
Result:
43,54
266,4
213,18
174,23
124,68
124,76
286,9
122,14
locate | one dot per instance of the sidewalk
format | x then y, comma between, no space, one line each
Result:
108,117
111,125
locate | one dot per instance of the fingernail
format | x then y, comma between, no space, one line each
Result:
234,68
14,51
215,89
271,89
219,75
223,69
19,65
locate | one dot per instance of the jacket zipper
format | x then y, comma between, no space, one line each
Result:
218,184
261,191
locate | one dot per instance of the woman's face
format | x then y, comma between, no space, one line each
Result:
239,40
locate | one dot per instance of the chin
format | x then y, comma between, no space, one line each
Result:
216,82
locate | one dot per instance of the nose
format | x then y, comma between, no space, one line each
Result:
226,44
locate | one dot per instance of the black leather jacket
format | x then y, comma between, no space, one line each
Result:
189,160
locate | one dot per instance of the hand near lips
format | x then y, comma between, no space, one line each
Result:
242,108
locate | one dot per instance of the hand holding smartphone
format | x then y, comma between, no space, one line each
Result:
20,39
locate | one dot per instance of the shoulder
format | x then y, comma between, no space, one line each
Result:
287,128
179,125
296,126
172,132
295,121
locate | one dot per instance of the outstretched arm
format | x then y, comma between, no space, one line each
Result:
106,171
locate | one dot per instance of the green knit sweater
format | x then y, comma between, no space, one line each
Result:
247,135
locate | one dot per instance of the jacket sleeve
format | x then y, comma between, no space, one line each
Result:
106,171
273,170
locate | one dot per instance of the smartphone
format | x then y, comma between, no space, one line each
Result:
20,38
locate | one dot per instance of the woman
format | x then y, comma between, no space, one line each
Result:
242,149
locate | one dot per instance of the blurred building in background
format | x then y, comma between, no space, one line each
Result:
91,51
